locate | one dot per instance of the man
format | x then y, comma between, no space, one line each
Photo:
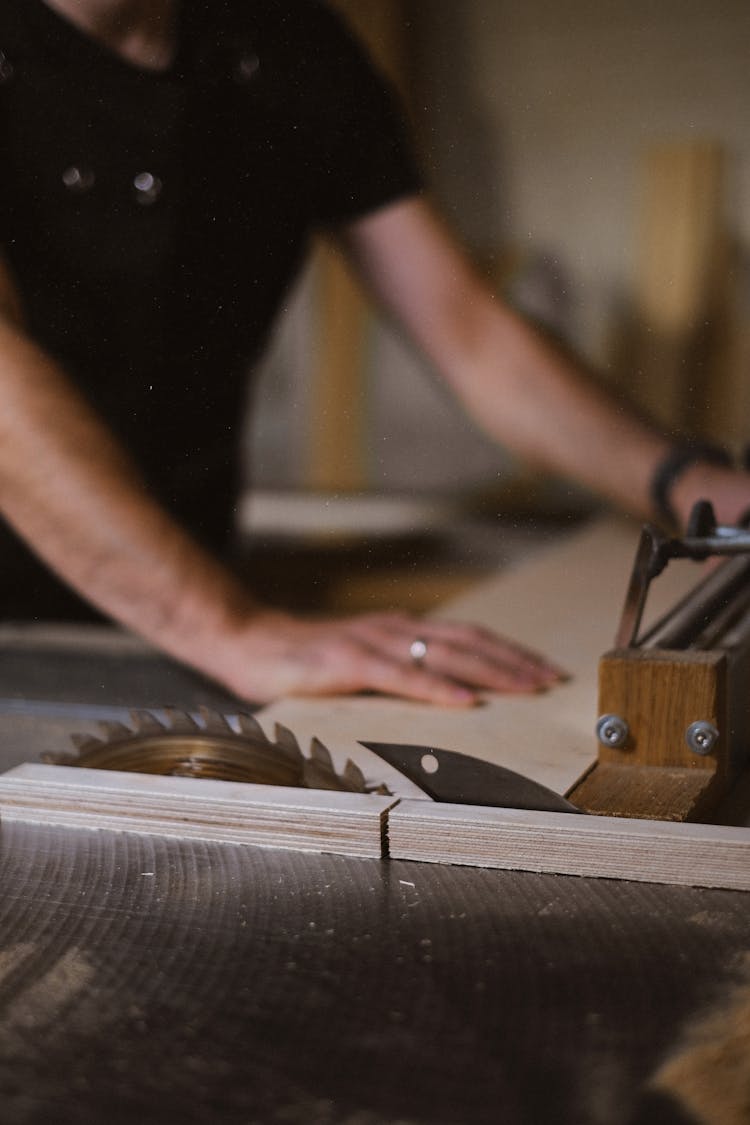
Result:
163,165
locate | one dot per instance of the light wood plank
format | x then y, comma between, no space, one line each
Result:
648,851
338,453
229,812
678,287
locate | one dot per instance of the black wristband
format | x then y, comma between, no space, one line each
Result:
679,458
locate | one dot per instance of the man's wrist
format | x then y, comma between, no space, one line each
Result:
672,468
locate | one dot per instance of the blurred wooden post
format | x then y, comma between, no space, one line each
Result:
338,424
678,289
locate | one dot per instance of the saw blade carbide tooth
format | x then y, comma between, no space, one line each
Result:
180,721
316,775
112,729
51,759
83,742
287,743
321,754
213,721
251,727
353,776
170,741
147,723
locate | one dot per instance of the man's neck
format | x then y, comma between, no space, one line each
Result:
141,31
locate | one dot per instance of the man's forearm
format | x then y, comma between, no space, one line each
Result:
518,385
71,492
524,391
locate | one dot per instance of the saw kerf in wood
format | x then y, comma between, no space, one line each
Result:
674,708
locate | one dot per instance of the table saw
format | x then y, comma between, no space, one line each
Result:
152,976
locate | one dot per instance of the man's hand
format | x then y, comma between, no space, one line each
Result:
277,655
70,490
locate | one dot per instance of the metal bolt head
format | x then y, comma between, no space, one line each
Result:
613,731
78,179
701,737
148,188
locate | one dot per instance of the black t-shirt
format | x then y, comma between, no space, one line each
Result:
155,220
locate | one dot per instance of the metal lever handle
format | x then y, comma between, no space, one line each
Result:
704,539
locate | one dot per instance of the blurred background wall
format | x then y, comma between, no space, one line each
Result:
595,159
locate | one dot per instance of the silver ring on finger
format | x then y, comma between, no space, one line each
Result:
418,651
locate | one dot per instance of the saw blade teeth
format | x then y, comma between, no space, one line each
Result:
316,775
83,742
321,754
112,729
51,759
180,721
172,741
353,776
213,721
251,727
147,723
287,743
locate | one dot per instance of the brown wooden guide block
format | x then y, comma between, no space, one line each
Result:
655,774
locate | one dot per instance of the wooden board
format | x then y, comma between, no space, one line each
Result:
699,855
371,826
678,285
339,420
565,602
183,807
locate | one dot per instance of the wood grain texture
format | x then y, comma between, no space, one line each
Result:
338,453
699,855
338,420
228,812
660,693
676,284
681,225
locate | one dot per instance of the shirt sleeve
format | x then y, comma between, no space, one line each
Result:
360,147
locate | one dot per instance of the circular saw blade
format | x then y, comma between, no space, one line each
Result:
180,746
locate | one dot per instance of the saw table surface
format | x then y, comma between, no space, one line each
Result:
159,981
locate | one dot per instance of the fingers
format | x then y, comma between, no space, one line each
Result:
372,653
339,662
466,654
384,675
